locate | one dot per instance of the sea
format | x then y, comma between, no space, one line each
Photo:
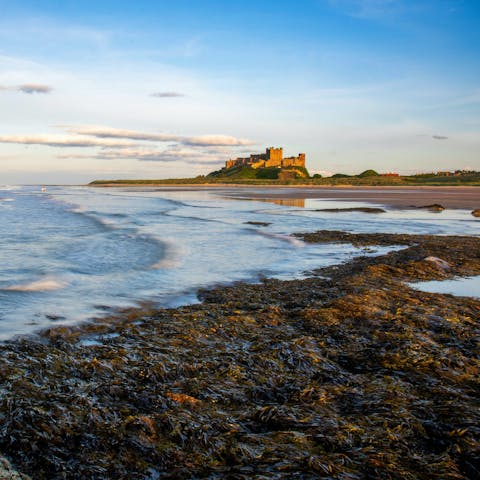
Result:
73,254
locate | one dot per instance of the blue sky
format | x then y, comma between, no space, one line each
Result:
156,89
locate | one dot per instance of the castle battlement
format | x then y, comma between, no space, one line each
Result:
273,157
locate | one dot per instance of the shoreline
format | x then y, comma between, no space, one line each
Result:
455,197
280,378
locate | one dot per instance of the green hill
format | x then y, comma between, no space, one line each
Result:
269,176
249,173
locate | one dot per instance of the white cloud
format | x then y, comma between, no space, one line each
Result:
167,94
107,132
202,140
63,141
189,156
34,88
29,88
216,140
323,173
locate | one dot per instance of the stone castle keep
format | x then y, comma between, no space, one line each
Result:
273,157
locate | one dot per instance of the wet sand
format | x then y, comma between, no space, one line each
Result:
398,197
392,196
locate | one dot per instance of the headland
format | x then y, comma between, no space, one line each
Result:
272,168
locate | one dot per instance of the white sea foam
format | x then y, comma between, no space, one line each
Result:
296,242
99,250
42,285
7,199
101,220
172,255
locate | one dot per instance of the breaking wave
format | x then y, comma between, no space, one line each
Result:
172,255
42,285
296,242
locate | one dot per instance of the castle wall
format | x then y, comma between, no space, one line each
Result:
273,163
294,161
258,164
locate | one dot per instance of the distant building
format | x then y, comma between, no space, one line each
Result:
273,157
389,174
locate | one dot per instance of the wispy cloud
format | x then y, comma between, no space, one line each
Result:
201,141
107,132
34,88
189,156
64,141
29,88
215,140
118,144
167,94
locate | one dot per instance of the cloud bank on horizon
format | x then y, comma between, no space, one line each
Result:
356,84
113,143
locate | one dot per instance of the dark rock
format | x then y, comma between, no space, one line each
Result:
259,224
434,207
352,209
55,318
438,262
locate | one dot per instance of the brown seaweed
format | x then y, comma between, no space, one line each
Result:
348,374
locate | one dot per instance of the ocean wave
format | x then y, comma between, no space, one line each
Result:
196,219
42,285
172,255
105,223
296,242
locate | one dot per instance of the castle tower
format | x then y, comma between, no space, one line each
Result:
275,154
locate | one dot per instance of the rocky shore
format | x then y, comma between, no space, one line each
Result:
348,374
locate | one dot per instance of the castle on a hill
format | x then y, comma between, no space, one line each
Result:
273,157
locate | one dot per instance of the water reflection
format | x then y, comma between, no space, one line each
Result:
464,287
286,202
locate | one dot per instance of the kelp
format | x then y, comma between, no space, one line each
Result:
348,374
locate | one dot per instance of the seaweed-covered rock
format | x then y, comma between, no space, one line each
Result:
7,472
439,262
349,374
434,207
352,209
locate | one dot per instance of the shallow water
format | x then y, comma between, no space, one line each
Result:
463,287
73,253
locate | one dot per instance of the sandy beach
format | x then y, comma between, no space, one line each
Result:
398,197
